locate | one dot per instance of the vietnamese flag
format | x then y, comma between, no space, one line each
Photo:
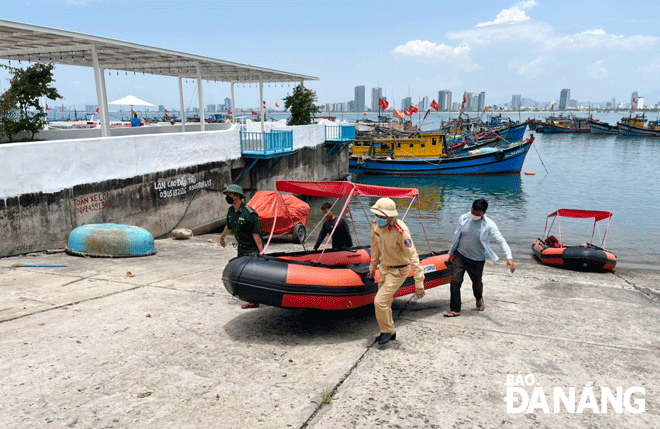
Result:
407,112
464,100
435,105
277,105
230,112
486,109
47,108
97,110
383,103
255,113
413,109
397,114
166,113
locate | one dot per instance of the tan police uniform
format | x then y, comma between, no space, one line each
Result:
393,248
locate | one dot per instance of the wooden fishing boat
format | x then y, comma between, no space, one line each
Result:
507,160
635,127
327,279
583,257
598,127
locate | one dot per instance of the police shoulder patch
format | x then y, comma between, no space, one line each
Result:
407,242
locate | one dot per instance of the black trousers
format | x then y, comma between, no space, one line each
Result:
475,270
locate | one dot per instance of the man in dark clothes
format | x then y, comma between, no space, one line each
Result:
243,222
342,236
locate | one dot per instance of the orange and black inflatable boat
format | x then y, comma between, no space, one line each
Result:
585,257
333,280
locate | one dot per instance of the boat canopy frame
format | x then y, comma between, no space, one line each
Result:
340,189
579,214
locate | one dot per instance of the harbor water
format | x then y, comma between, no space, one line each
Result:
593,172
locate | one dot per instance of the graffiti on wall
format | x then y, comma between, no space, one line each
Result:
92,203
179,186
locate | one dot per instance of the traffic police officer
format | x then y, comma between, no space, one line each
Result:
391,247
243,222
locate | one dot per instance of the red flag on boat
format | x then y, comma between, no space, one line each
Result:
277,105
230,112
383,103
97,110
397,114
464,100
413,109
435,105
486,109
47,108
242,111
407,112
255,113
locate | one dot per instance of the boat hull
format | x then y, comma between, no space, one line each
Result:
514,133
504,161
579,258
556,129
293,282
629,130
603,128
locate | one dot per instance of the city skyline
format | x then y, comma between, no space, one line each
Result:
533,48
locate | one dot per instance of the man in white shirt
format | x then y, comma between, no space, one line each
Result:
469,250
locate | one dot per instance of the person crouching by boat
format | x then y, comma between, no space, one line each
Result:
393,251
342,236
468,252
243,222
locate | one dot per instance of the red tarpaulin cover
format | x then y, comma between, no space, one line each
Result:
581,214
342,189
264,202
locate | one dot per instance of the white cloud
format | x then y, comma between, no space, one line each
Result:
424,49
534,32
597,71
598,38
427,49
531,69
526,4
515,15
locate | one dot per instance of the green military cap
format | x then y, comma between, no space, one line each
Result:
234,189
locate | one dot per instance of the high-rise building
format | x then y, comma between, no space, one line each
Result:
640,103
423,104
471,102
481,101
228,103
516,102
444,100
210,108
376,93
406,102
359,98
633,99
564,98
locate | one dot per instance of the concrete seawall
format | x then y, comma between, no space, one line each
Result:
155,182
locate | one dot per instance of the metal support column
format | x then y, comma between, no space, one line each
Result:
261,102
201,98
233,106
100,92
183,113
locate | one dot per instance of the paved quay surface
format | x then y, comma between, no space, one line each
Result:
91,346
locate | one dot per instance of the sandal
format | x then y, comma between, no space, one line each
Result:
453,314
480,305
250,305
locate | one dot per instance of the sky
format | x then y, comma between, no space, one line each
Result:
598,49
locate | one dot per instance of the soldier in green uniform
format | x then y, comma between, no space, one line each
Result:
243,222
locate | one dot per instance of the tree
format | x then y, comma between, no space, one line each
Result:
27,87
8,115
302,106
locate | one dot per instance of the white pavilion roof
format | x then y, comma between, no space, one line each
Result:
32,43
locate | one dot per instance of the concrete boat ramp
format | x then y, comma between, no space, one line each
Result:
157,342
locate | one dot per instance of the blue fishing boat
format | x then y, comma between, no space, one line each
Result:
508,160
513,133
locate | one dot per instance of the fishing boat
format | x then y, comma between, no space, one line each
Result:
584,257
326,279
564,125
598,127
506,160
636,127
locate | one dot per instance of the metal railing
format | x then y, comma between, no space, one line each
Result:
273,142
339,132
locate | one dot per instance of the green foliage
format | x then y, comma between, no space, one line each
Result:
21,101
301,104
